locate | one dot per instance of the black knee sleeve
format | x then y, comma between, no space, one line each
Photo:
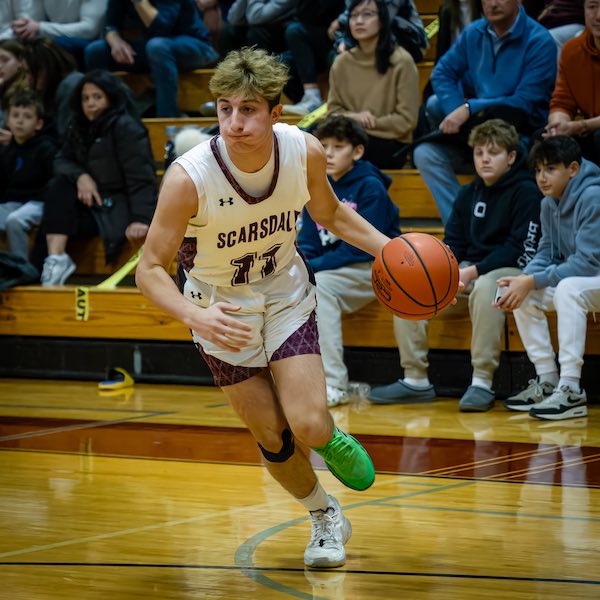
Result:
287,449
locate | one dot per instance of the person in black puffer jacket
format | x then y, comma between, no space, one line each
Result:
104,181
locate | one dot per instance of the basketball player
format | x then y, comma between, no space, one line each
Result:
247,295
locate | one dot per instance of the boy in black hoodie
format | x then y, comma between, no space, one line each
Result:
342,271
493,230
25,169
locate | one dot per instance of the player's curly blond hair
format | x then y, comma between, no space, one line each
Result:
249,72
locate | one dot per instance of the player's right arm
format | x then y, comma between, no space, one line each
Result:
177,203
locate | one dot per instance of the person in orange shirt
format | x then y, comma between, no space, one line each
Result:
577,90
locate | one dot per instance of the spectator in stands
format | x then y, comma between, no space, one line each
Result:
159,36
501,66
13,76
72,25
310,48
376,83
10,10
25,169
54,75
343,272
576,92
564,276
258,23
105,182
405,25
563,18
493,231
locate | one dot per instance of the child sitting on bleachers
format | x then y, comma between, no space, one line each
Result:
493,231
343,272
25,169
563,276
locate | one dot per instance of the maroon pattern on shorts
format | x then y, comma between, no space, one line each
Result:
225,373
305,340
185,260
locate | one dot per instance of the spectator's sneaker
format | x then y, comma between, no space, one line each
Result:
563,403
534,393
348,461
336,396
330,531
57,269
401,392
476,399
304,107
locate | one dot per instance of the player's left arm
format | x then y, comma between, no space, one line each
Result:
325,208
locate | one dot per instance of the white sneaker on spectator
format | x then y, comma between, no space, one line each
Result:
564,403
304,107
330,531
57,269
336,396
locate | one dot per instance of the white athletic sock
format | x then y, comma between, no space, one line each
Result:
418,383
480,382
571,382
316,500
550,377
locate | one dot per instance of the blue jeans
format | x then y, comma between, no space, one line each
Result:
17,218
438,163
75,46
163,57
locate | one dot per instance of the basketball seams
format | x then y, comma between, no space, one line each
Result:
405,266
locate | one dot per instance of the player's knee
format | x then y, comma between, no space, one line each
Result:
312,431
287,448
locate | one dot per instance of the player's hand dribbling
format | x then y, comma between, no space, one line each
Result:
215,325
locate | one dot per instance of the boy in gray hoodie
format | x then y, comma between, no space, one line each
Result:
564,276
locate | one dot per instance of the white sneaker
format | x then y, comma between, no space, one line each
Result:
57,269
330,531
304,107
564,403
336,396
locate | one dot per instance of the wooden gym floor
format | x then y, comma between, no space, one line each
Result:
158,492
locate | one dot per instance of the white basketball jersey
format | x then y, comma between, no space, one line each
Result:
242,238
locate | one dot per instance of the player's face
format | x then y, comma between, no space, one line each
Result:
500,13
553,179
246,124
23,122
94,101
592,17
340,156
492,161
364,22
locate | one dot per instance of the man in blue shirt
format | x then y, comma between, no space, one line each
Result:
501,66
159,36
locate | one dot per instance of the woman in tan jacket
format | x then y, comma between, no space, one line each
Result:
377,84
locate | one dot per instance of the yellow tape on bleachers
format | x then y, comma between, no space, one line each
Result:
432,29
111,282
310,118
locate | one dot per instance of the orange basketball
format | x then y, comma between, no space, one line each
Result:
415,276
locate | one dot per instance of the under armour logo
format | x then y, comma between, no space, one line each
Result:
223,202
196,295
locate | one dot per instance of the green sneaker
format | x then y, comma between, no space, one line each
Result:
348,461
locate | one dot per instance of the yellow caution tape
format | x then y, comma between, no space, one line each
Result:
82,303
313,116
432,29
111,282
